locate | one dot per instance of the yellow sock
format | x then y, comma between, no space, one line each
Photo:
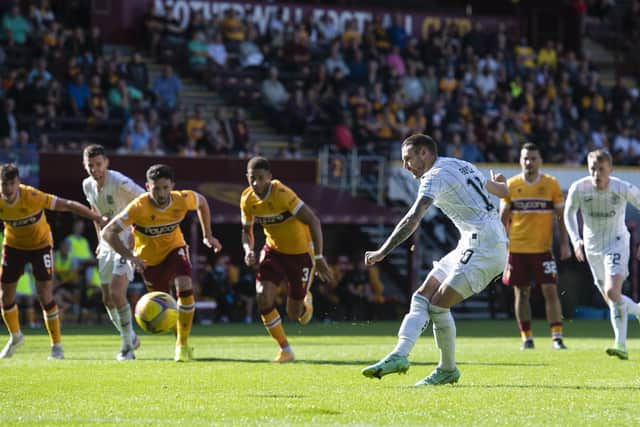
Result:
556,330
186,311
52,322
11,318
273,323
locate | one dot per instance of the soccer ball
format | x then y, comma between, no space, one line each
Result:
156,312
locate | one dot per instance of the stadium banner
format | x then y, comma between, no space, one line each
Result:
27,161
417,24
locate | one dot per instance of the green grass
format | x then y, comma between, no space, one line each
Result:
233,383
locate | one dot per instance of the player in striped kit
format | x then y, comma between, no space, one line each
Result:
602,200
108,192
461,191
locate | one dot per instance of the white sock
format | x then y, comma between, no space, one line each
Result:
444,332
113,316
413,324
618,314
632,307
125,327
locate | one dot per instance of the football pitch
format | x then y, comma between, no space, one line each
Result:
232,382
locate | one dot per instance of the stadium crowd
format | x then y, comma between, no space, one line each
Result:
481,94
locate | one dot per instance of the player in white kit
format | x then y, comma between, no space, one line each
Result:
459,189
108,192
602,200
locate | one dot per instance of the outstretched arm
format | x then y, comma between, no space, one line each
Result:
65,205
405,228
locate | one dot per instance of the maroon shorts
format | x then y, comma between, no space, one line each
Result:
14,260
523,268
160,277
296,270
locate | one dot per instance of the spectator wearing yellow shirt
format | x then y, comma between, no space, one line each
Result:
196,125
548,56
232,27
525,54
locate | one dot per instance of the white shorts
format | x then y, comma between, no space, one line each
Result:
612,262
110,263
468,270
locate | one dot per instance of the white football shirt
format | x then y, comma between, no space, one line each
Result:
603,212
116,193
457,188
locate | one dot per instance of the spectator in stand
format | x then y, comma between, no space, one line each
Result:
298,112
167,88
196,125
8,122
327,30
382,42
626,148
198,54
138,140
351,36
98,106
40,69
137,73
76,44
240,131
41,15
249,53
94,44
274,96
217,51
174,134
397,32
122,100
335,61
411,86
79,95
16,26
232,29
547,55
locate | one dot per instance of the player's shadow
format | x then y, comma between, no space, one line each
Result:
552,387
361,363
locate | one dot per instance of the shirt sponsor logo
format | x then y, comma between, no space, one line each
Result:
24,222
273,219
157,230
531,205
609,214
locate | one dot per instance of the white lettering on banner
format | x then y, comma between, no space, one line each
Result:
182,11
417,24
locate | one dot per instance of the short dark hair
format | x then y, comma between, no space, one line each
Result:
422,140
160,171
530,146
600,156
9,172
93,150
259,163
